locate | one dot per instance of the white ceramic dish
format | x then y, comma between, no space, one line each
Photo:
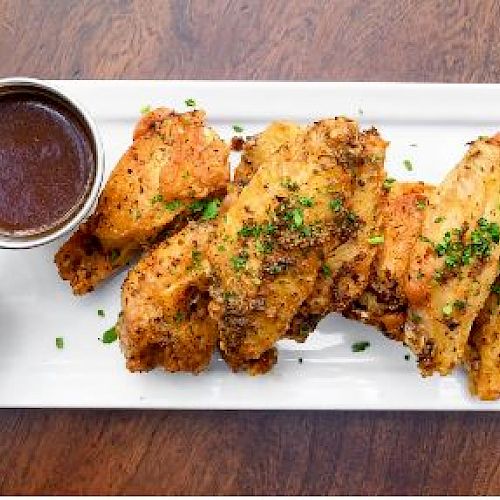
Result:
36,307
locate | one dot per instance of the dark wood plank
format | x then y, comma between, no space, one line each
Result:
75,452
250,452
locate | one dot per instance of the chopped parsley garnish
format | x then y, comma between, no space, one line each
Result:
407,164
447,309
295,217
459,304
195,260
376,240
388,183
60,342
190,103
306,201
156,199
456,252
439,219
100,312
325,270
248,231
173,205
145,110
197,206
211,209
239,261
221,248
264,246
495,288
238,129
109,336
360,346
336,205
421,204
179,317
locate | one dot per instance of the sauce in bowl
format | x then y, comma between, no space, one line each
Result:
47,163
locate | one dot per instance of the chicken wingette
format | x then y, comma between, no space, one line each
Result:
164,320
174,165
267,251
345,268
455,261
482,355
383,303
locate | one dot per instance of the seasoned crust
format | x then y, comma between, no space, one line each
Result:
141,199
164,320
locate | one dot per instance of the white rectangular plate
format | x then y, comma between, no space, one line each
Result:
36,306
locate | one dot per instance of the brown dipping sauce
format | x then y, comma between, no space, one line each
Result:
47,162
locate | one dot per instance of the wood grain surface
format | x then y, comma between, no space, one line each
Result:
177,452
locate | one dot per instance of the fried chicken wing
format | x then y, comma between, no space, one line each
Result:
267,250
164,320
482,355
454,263
174,161
383,303
346,268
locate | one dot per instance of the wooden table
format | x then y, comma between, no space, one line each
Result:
176,452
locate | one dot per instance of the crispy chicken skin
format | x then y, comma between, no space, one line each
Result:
383,303
267,250
454,263
164,320
346,268
482,354
174,160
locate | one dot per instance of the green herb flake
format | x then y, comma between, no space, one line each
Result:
264,246
173,205
238,129
336,205
109,336
221,248
100,313
421,204
360,346
495,288
156,199
407,164
179,317
197,206
306,201
325,270
420,275
439,219
460,305
387,185
447,309
145,110
239,262
60,342
295,217
195,259
376,240
190,103
211,209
